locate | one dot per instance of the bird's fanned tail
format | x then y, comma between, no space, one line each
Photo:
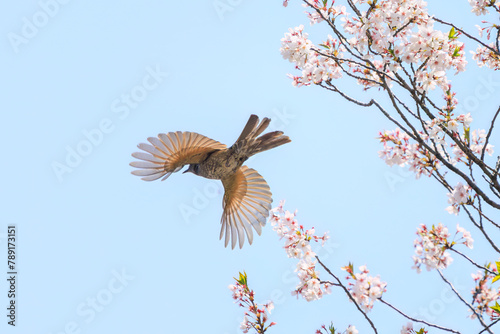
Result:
249,142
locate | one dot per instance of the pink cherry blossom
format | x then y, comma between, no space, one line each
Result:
365,289
431,246
479,7
297,245
460,195
256,315
484,295
373,35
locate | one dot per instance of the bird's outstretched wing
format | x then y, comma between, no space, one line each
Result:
247,201
170,152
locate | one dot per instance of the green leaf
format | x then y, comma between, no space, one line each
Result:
331,329
496,278
496,308
421,331
467,136
452,34
242,279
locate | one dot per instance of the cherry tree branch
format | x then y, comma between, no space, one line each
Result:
418,320
467,34
348,294
489,132
489,326
479,317
481,228
471,261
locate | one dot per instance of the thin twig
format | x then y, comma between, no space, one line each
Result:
471,261
493,323
489,132
481,228
479,317
348,294
418,320
468,35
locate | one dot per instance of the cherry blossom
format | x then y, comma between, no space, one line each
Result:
479,7
297,245
432,244
388,35
256,315
298,49
485,295
487,57
351,330
365,289
331,330
430,248
460,195
405,153
399,150
408,329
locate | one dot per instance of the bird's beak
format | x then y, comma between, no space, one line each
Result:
187,170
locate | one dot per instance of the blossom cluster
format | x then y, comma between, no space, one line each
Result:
331,330
459,195
432,244
485,295
256,315
488,57
479,7
408,329
298,49
400,150
383,39
297,245
365,289
475,140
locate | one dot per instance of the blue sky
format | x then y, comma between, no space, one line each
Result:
101,251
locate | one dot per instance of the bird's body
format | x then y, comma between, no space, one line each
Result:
220,164
247,199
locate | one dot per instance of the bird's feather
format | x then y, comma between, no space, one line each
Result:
249,142
169,152
247,201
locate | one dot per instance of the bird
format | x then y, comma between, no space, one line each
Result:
247,197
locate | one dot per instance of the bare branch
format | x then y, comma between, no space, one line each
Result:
489,132
481,228
418,320
472,262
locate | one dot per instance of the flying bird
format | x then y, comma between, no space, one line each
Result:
247,198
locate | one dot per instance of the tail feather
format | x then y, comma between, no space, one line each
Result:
262,126
266,142
251,124
249,142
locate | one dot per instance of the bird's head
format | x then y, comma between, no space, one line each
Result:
193,168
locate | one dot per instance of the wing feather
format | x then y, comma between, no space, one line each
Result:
247,201
168,153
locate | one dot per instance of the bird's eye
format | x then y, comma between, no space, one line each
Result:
196,168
